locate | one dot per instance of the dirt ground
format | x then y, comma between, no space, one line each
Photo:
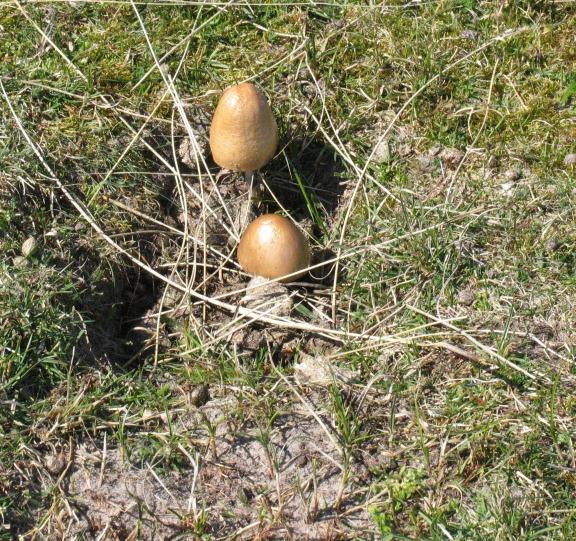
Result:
245,487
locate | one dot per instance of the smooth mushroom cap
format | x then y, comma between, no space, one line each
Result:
243,134
272,247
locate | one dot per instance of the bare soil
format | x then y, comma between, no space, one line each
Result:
286,488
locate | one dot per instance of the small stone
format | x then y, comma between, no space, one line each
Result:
552,244
300,461
55,464
381,152
466,297
200,395
29,247
507,188
404,150
19,261
513,175
570,159
469,34
451,157
318,370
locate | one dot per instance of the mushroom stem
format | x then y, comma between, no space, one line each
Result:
249,179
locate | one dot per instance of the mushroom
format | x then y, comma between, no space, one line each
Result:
273,247
243,134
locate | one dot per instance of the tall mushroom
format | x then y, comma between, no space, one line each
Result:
243,134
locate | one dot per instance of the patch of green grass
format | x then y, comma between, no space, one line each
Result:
39,328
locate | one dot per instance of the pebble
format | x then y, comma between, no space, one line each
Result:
451,157
551,245
570,159
507,188
19,261
469,34
29,247
200,395
317,370
513,175
381,152
466,297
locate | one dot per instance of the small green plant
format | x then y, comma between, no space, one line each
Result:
398,489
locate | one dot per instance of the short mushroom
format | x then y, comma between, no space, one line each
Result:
243,134
274,248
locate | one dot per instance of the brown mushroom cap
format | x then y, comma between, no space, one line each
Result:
272,246
243,135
